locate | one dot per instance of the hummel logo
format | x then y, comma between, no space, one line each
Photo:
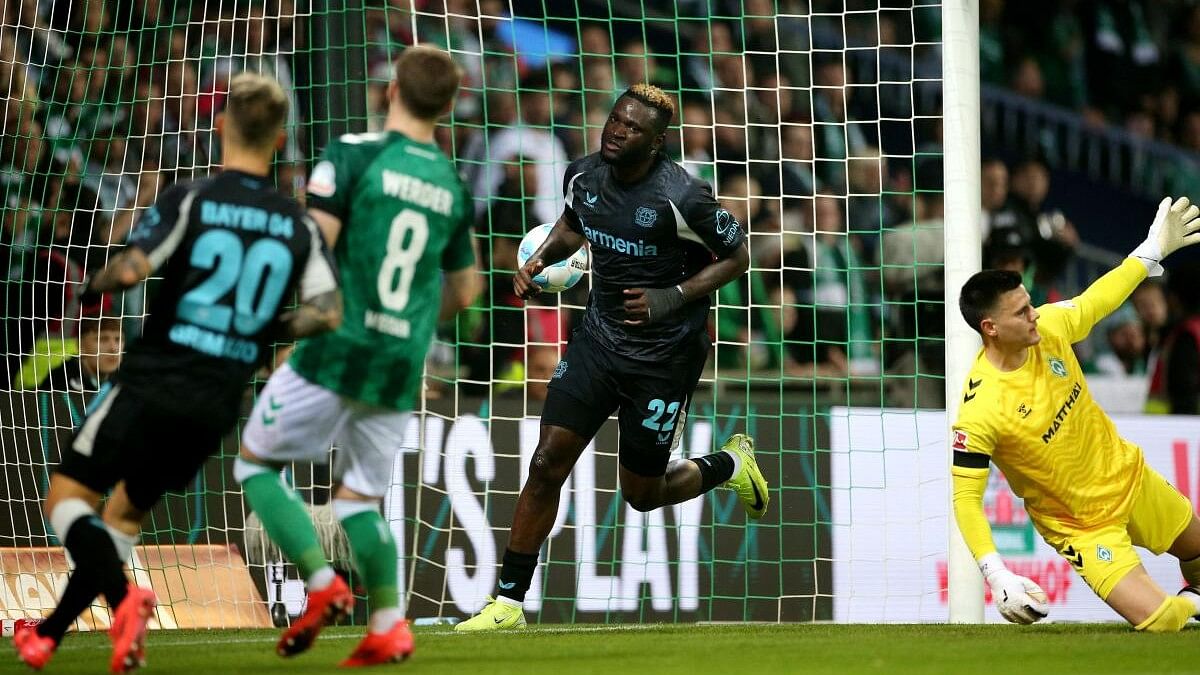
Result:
971,384
1072,555
507,586
267,418
590,198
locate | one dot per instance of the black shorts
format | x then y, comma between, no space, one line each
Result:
652,398
126,437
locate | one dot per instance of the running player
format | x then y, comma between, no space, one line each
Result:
401,220
660,245
231,252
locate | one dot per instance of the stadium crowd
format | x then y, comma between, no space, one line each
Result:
838,183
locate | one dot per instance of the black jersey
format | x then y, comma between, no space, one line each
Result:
231,251
652,234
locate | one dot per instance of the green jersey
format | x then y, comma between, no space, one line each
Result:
406,216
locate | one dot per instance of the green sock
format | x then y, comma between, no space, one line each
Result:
285,520
374,556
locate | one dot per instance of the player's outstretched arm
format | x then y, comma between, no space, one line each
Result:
562,241
649,305
1017,598
1175,225
126,270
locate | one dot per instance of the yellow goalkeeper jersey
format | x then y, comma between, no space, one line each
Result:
1058,449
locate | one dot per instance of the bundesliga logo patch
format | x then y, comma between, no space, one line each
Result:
960,440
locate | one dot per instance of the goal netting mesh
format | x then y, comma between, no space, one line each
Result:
817,123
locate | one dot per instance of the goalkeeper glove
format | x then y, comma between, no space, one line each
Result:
1018,599
1174,227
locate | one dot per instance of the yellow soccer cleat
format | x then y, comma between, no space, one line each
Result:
748,483
495,616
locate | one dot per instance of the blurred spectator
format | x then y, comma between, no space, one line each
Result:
697,125
101,346
1126,355
838,292
812,348
1149,302
529,137
1175,384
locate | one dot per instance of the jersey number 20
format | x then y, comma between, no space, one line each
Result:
266,265
405,246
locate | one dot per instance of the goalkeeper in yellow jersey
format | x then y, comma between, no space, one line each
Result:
1026,408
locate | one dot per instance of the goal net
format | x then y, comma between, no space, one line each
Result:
818,125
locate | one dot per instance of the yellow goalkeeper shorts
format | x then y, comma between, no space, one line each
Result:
1104,555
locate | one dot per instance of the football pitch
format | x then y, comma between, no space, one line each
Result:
1082,649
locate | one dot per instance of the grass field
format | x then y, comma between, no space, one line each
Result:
680,649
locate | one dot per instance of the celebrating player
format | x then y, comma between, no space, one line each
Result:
407,233
654,231
231,251
1026,407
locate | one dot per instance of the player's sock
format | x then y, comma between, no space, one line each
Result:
123,543
515,575
715,469
1171,616
76,597
97,567
374,551
282,515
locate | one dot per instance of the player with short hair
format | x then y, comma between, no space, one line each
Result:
660,245
1027,409
401,219
231,251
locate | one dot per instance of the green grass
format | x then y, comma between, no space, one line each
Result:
1077,649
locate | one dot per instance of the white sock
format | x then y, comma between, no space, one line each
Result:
321,578
383,620
737,462
124,543
1194,597
508,601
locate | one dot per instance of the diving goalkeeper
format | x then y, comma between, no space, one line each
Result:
1026,408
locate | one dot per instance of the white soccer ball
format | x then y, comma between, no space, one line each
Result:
561,275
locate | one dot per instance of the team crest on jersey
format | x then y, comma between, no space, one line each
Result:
559,370
960,440
1058,367
1103,554
645,216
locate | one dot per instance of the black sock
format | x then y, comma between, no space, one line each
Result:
97,570
76,597
714,469
516,573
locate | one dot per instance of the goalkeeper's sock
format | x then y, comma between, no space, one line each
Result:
515,575
1170,617
716,469
374,551
283,516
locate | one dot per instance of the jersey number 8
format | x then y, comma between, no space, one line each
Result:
405,246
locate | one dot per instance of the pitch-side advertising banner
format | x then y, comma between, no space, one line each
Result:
891,509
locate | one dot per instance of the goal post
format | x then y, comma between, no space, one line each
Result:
960,70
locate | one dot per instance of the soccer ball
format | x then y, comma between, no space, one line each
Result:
561,275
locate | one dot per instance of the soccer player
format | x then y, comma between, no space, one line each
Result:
660,244
1026,408
401,220
231,252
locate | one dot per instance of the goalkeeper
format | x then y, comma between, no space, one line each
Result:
1026,408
